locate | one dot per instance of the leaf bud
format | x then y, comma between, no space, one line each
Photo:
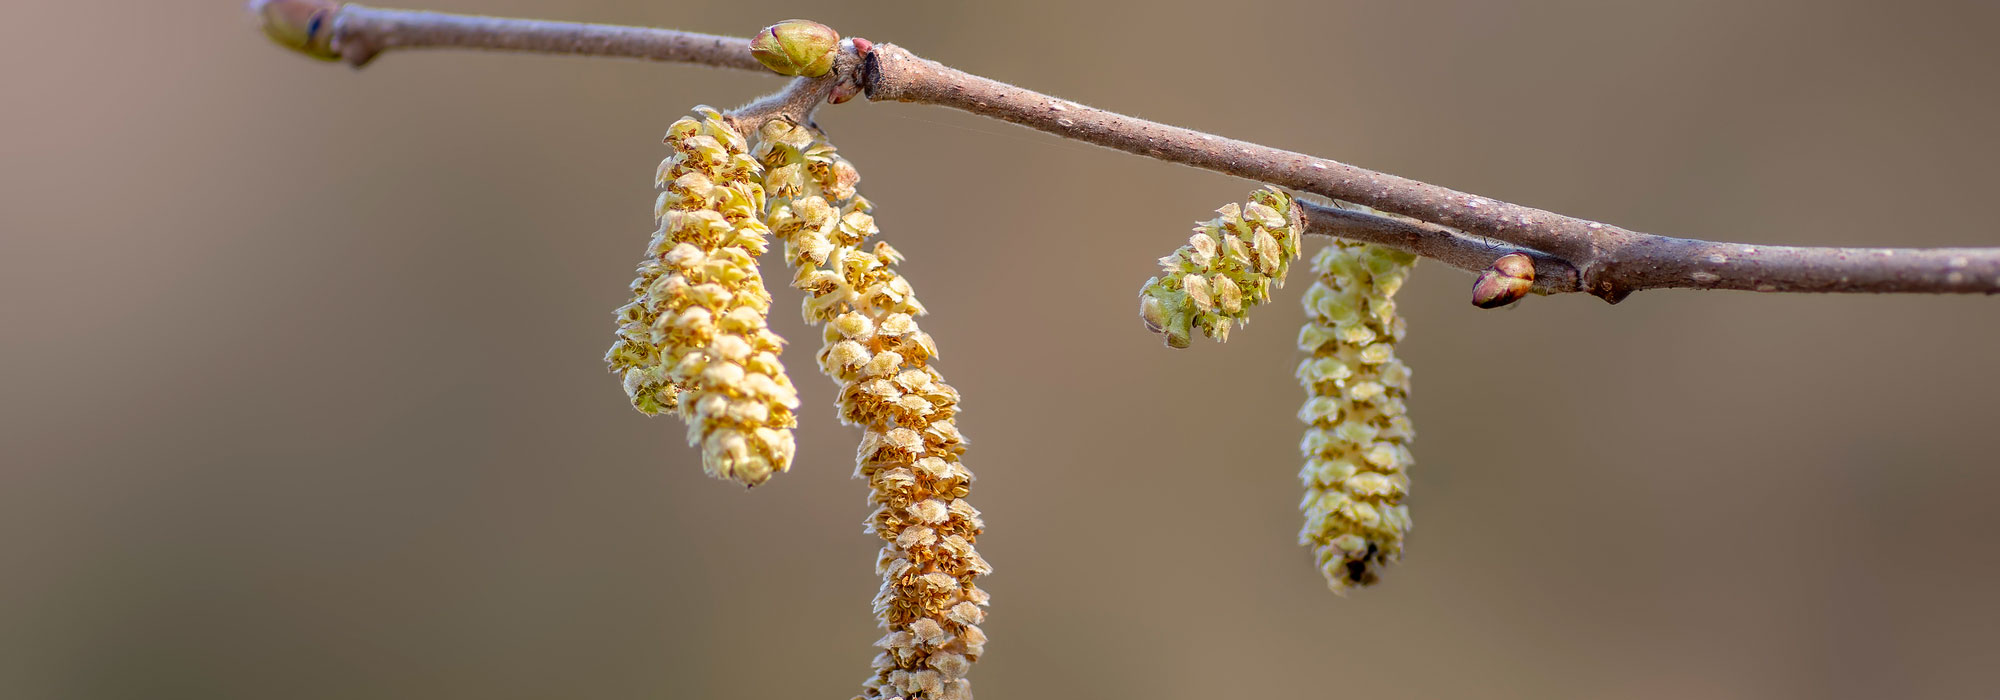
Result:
799,47
1506,281
305,26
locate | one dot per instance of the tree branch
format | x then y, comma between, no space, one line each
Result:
1660,262
1610,262
1428,240
1570,254
359,33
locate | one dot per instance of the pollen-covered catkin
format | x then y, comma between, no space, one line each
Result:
1356,444
911,448
694,335
1232,262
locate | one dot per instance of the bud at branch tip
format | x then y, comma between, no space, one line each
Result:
305,26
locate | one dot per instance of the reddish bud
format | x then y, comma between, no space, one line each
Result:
1506,281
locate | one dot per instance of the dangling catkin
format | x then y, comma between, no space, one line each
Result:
1231,263
1357,443
694,335
911,446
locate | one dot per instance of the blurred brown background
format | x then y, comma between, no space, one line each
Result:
302,396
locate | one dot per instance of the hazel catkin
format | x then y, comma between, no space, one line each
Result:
1356,444
876,352
1231,263
694,336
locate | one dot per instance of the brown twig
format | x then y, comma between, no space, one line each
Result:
797,102
1423,239
1610,262
1572,254
360,33
1661,262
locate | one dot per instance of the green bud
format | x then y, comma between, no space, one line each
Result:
796,47
305,26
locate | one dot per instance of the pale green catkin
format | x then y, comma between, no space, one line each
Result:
910,448
1357,440
694,335
1232,262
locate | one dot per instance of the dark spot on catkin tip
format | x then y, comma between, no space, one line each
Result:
1357,569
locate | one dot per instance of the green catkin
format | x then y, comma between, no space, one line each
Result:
1231,263
910,448
1356,444
694,336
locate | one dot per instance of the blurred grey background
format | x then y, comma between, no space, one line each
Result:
302,394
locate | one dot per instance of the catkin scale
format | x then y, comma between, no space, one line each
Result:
1356,444
694,336
910,452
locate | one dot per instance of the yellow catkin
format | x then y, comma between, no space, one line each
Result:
910,448
1231,263
1357,444
694,335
